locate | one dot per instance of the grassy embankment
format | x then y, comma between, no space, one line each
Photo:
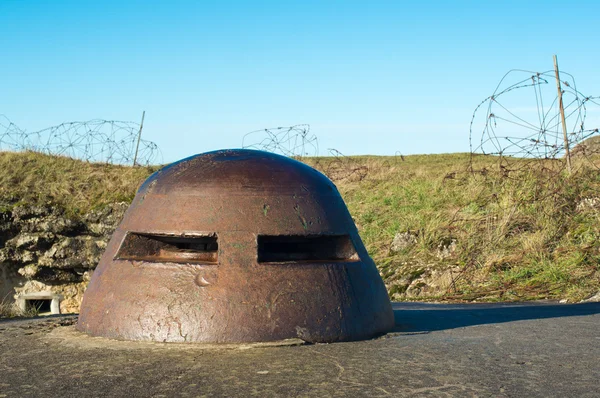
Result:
525,235
76,186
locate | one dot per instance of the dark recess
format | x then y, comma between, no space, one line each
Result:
298,248
41,306
165,249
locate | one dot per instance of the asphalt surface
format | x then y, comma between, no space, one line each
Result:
485,350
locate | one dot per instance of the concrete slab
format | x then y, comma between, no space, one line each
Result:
494,350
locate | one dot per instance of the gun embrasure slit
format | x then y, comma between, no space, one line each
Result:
168,248
299,248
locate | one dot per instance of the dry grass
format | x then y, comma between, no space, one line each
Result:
75,185
9,309
519,235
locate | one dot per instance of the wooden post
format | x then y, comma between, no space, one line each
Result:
137,147
562,115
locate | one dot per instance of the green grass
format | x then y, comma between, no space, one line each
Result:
518,235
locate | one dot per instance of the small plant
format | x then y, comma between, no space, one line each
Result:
6,309
9,309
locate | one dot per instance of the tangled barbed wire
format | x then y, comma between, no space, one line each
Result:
96,140
522,183
339,167
521,119
294,141
297,142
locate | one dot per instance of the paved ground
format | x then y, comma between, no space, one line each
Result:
533,350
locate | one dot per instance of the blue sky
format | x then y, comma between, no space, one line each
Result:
370,77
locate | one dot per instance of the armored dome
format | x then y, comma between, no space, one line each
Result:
236,246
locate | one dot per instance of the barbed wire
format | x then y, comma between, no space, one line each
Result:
519,126
297,142
294,141
98,140
341,167
521,119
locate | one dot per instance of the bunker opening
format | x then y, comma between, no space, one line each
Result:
310,248
169,249
39,306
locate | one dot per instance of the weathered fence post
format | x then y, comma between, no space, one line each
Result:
562,116
137,147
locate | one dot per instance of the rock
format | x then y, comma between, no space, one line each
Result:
44,250
52,224
26,241
5,226
103,222
50,275
74,252
446,248
87,275
25,212
45,219
6,220
57,276
402,241
594,299
592,203
29,271
13,256
417,280
6,255
60,225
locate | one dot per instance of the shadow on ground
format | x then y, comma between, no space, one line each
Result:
414,317
421,317
33,319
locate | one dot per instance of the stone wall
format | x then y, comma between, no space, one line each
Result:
44,250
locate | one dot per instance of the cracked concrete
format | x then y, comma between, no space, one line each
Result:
437,350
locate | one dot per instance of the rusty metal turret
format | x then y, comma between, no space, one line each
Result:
236,246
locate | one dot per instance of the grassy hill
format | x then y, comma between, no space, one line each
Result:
485,234
75,185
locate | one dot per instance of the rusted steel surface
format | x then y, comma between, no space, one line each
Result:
236,246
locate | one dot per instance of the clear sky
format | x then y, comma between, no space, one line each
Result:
370,77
